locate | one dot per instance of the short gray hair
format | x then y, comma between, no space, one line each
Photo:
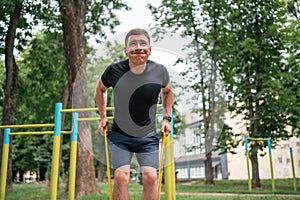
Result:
136,31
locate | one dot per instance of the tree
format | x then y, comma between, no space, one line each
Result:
252,66
74,18
202,22
13,18
39,88
12,70
46,13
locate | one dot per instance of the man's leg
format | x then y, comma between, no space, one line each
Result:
121,182
149,183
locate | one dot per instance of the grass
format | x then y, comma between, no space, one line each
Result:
238,190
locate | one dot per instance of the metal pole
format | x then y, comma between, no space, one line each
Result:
170,186
55,151
73,156
4,164
293,169
161,163
271,163
247,160
108,165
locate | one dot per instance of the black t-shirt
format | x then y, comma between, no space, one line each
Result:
135,96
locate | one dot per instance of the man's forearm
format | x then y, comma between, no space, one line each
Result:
101,99
167,100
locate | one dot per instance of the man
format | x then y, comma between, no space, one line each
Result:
137,83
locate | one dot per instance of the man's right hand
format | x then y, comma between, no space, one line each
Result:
102,125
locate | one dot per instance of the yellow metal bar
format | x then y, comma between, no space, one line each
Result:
38,133
293,169
93,119
33,133
73,156
65,132
83,109
170,190
27,126
4,163
72,175
161,164
54,169
248,170
4,169
91,109
107,164
257,139
272,172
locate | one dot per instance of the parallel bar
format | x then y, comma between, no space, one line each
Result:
55,152
91,109
161,164
248,165
32,133
93,119
257,139
27,126
83,109
170,182
271,163
4,163
108,165
38,133
73,156
293,169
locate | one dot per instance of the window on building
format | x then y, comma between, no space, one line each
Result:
280,159
182,173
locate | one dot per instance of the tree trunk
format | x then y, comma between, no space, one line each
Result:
101,174
73,19
12,70
42,173
254,166
209,174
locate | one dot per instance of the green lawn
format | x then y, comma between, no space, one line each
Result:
238,190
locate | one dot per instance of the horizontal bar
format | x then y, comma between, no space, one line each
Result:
257,139
83,109
92,119
38,133
32,133
91,109
27,126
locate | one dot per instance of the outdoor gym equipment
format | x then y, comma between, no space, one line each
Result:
161,163
170,190
246,139
107,164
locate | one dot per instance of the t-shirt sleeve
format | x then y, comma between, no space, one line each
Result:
106,77
166,77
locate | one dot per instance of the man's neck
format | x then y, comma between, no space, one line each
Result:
137,69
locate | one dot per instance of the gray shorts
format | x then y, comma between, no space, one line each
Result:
122,147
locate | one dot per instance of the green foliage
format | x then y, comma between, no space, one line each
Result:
200,21
101,17
257,74
41,81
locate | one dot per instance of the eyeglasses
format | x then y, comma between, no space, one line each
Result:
137,44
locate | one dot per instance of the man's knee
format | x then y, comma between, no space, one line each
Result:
150,178
121,177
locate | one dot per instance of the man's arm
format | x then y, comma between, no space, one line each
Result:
167,101
101,100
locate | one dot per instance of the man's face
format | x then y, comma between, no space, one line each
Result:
137,49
